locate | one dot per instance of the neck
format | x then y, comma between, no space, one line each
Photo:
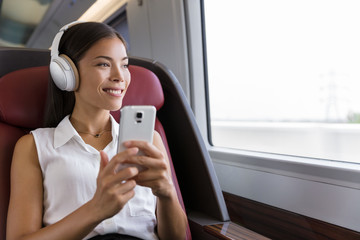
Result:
91,123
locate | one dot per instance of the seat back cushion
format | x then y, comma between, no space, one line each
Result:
22,102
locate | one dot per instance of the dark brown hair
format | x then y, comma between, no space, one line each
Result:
75,42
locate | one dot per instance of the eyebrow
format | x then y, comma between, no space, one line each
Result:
109,58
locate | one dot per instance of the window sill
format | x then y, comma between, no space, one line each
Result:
327,191
318,170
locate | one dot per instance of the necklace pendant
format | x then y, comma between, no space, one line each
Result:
97,135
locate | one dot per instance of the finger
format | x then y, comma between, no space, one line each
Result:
125,197
147,176
104,160
148,148
159,188
123,176
120,194
118,159
125,187
152,175
148,162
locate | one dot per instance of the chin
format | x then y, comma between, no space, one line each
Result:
114,108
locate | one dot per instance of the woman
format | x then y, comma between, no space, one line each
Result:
63,179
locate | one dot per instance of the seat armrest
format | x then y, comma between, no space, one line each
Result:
207,227
232,231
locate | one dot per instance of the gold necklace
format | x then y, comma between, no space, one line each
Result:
95,135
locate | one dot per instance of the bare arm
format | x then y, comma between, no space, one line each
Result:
172,220
26,201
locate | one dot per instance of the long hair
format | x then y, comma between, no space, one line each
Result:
74,43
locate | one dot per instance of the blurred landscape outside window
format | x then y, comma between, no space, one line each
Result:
284,76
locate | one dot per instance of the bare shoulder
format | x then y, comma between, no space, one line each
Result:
25,150
25,167
158,141
157,136
27,139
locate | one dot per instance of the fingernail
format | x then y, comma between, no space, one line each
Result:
134,150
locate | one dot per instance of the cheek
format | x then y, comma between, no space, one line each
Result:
90,81
127,78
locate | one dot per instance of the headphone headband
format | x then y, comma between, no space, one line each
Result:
57,38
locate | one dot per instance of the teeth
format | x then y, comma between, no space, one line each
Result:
114,91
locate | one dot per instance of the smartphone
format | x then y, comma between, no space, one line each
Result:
136,123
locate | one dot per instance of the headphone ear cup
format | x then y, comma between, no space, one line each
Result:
74,72
64,73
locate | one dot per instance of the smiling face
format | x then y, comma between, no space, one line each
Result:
104,76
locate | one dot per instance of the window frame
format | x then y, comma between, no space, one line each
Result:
304,185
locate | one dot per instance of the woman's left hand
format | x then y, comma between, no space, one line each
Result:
157,176
157,173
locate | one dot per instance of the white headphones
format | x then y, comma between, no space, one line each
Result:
62,69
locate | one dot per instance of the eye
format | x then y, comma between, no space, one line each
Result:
103,64
126,66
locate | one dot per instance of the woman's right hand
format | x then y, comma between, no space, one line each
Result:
114,188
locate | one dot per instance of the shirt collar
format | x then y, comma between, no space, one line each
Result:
65,131
114,128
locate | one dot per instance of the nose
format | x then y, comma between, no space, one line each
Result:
117,75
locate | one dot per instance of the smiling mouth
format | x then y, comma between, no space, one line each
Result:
114,92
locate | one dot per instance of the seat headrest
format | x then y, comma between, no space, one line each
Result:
23,94
22,97
145,88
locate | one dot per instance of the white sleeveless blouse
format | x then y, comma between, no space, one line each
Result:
70,168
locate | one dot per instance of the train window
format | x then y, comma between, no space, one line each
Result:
120,24
284,76
18,20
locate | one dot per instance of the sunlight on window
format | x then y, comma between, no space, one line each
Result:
284,76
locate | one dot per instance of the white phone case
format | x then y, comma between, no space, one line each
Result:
136,123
